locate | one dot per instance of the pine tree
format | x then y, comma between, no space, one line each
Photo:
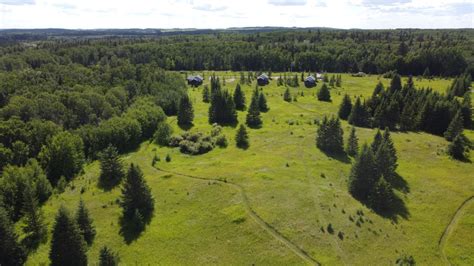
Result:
262,103
345,107
363,174
111,168
239,98
85,223
35,227
67,244
329,136
253,115
163,134
459,148
381,197
222,109
455,127
395,84
185,111
242,138
136,195
379,89
206,97
384,161
107,257
11,252
287,95
324,94
359,115
352,146
332,81
387,140
378,139
466,110
338,81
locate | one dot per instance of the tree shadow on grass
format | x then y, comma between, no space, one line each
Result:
340,156
398,183
107,185
397,210
186,127
132,228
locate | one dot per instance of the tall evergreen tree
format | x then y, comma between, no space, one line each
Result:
206,95
379,89
466,110
111,168
253,115
287,95
222,110
242,138
455,127
458,149
359,115
352,147
378,139
185,111
67,244
388,142
239,98
345,107
364,174
136,195
107,257
262,103
385,162
329,136
381,197
84,221
324,94
11,252
35,228
395,83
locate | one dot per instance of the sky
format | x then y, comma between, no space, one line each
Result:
216,14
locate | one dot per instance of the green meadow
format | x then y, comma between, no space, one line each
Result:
272,203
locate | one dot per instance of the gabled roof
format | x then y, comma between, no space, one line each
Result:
263,76
310,79
197,78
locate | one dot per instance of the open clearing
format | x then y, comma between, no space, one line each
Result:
290,186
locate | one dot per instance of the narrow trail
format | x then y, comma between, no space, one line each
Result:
450,227
267,227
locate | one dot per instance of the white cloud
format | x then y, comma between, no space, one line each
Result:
241,13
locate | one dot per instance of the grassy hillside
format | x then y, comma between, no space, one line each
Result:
294,188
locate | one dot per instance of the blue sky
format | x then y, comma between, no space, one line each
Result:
369,14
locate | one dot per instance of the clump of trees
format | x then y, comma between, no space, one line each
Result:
195,143
242,138
253,119
329,136
324,94
222,109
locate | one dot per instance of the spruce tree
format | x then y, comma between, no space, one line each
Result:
242,138
386,164
84,221
381,197
359,115
352,146
239,98
67,244
185,111
364,174
324,94
379,89
206,95
136,195
338,81
388,142
455,127
329,136
163,134
287,95
111,168
222,109
262,103
466,110
253,115
345,107
11,252
395,83
107,257
378,139
458,149
35,228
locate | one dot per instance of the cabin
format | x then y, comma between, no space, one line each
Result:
310,82
195,81
263,80
319,76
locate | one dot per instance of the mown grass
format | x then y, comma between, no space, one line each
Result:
460,244
290,184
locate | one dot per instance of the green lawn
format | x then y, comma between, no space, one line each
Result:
295,188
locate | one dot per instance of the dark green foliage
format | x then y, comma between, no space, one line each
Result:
459,148
345,107
379,89
163,134
168,158
35,228
359,115
11,252
395,84
62,156
84,222
455,127
427,73
324,94
352,147
386,163
390,147
67,244
381,197
107,257
329,136
338,80
206,95
460,85
242,138
405,260
111,168
364,174
262,103
239,98
20,152
136,195
287,95
330,229
253,119
185,111
222,110
466,110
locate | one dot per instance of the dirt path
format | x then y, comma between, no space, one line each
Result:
267,227
451,226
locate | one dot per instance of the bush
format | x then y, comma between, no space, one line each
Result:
163,134
221,141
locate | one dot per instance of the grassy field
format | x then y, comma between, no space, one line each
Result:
294,188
